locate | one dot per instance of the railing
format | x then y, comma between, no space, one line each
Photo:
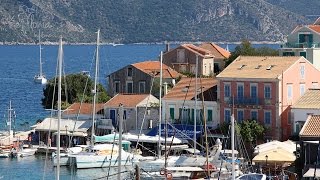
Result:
300,45
244,101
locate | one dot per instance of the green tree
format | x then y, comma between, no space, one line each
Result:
73,89
245,49
251,130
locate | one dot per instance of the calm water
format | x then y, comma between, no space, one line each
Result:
19,64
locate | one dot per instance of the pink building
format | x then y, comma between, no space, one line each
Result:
263,88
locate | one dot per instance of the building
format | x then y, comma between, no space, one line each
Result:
308,104
309,146
141,111
304,41
263,88
219,55
183,59
179,103
137,78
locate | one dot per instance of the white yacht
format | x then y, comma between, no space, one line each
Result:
40,78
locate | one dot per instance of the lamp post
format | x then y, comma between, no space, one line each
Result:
66,135
266,160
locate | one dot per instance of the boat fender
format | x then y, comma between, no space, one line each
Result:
162,171
169,176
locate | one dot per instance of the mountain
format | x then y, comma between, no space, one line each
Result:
133,21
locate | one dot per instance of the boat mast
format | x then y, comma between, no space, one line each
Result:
195,109
120,140
160,108
232,145
95,87
59,107
40,54
9,122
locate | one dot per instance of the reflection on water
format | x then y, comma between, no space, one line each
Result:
36,167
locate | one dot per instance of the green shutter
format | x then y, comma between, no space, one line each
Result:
172,113
209,115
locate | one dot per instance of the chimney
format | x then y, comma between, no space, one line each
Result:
165,91
167,46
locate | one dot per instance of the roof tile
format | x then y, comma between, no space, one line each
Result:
311,127
258,66
153,67
216,50
185,88
127,100
310,100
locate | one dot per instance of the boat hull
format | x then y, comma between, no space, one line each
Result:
98,161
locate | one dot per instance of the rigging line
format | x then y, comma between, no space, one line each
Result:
144,115
183,103
83,95
109,167
147,173
51,116
205,130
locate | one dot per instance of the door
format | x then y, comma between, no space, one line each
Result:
113,117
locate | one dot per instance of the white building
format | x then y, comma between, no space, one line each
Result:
308,104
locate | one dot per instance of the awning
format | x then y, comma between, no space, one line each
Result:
275,156
68,133
65,125
310,173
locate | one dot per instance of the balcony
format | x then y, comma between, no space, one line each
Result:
301,45
244,101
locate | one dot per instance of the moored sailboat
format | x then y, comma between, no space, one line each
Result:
40,78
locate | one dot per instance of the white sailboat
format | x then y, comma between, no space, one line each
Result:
100,155
40,78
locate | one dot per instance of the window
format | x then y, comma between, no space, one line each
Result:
180,55
183,68
240,115
209,119
240,90
129,87
116,86
227,115
193,69
129,72
205,68
303,53
267,117
302,89
305,40
142,87
171,107
199,118
288,54
254,115
227,90
267,91
290,94
302,71
184,114
253,90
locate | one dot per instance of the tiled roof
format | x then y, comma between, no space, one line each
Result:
197,50
315,28
311,127
185,88
127,100
310,100
258,66
153,67
216,50
85,108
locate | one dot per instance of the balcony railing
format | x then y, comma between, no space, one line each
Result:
301,45
244,101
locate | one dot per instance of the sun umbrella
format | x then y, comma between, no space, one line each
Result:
277,155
